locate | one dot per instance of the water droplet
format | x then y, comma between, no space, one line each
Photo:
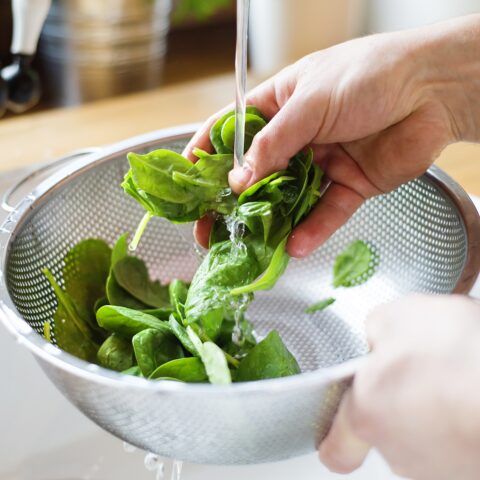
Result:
198,251
160,472
176,470
151,461
239,305
222,194
236,230
129,448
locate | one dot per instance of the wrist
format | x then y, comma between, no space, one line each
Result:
448,60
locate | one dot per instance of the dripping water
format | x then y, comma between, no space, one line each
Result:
176,470
239,305
153,463
243,7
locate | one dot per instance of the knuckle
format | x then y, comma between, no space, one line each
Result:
261,145
334,458
264,156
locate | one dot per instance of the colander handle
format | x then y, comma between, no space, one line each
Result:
41,170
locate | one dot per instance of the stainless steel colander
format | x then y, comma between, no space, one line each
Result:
427,237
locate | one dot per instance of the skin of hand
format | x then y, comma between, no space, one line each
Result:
416,398
377,111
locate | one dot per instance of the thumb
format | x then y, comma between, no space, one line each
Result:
342,451
290,130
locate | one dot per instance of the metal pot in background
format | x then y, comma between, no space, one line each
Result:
91,50
20,87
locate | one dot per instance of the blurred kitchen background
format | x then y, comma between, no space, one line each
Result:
92,49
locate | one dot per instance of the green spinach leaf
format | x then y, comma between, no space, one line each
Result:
274,271
153,348
253,124
85,272
132,275
209,301
134,371
181,333
160,313
178,291
268,359
321,305
218,128
127,322
355,265
71,330
236,338
178,189
115,353
116,295
213,359
189,369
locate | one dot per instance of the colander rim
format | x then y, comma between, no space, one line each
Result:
40,348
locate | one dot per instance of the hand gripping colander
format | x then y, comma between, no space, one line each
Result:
426,234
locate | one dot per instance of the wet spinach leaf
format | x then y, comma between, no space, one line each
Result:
116,353
224,129
132,275
168,185
71,330
278,264
270,358
127,322
85,272
100,303
321,305
189,369
178,291
153,348
116,295
253,124
355,265
135,371
209,301
181,333
213,359
236,338
160,313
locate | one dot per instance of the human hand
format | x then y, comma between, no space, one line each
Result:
376,111
416,398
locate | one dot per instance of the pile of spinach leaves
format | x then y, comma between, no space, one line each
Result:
247,244
110,312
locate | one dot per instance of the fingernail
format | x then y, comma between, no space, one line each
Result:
239,177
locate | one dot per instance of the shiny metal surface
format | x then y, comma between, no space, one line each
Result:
91,50
422,233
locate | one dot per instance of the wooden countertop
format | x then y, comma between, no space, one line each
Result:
38,137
